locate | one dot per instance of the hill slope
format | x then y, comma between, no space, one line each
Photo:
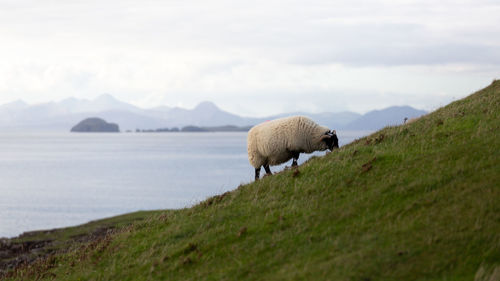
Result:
413,202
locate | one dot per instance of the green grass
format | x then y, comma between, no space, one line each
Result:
414,202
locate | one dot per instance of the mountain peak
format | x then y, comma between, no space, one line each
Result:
206,106
71,101
15,104
106,97
377,119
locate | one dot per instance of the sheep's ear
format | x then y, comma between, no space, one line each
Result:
324,137
334,132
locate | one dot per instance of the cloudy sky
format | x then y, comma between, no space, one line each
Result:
253,58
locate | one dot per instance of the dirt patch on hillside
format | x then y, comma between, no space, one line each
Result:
28,248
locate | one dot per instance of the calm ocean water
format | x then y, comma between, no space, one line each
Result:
55,180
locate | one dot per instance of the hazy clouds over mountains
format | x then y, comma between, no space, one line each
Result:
61,116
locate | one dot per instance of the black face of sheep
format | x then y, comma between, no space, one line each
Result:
331,141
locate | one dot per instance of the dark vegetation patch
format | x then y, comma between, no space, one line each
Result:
368,165
37,249
242,231
215,199
21,254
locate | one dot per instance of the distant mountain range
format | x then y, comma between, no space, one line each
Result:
61,116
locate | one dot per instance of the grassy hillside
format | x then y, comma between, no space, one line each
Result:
416,202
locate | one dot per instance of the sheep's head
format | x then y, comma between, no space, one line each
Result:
330,139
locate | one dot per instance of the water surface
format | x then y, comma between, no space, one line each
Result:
52,180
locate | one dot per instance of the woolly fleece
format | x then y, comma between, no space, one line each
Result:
273,142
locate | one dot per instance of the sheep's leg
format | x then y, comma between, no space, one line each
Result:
257,173
295,156
268,171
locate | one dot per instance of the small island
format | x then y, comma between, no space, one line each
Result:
96,125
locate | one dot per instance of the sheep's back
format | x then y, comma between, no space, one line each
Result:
305,135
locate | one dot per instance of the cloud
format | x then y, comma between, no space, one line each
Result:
394,54
252,57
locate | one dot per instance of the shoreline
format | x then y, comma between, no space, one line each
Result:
33,246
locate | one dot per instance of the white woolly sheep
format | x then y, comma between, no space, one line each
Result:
277,141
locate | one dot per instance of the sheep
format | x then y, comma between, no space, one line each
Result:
277,141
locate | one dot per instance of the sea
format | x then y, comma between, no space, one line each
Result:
52,180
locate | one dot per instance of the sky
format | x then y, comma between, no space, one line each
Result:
253,58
